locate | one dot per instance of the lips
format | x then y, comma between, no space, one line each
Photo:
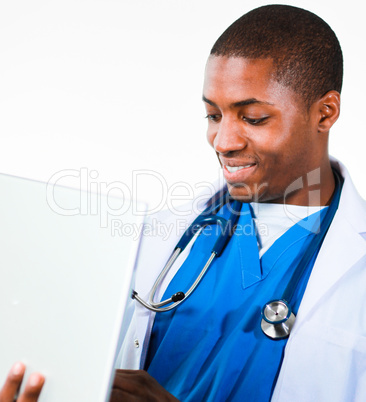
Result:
233,169
239,173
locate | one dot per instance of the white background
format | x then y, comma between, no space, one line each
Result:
115,86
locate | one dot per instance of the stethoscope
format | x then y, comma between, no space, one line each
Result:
207,217
277,315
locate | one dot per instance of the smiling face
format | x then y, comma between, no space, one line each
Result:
264,137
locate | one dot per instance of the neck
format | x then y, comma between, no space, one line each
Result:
316,188
319,186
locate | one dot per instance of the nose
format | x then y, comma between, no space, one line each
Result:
227,136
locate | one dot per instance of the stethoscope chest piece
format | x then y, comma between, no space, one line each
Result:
277,319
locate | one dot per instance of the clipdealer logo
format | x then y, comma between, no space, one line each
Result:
110,201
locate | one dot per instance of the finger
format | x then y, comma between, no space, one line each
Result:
138,385
32,389
12,383
126,372
117,395
127,380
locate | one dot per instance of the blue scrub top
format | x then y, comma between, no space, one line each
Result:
212,348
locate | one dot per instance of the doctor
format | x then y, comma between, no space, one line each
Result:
272,93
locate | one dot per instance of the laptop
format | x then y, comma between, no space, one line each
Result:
66,263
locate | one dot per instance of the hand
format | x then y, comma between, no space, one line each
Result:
12,384
138,386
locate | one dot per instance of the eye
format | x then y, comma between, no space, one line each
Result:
213,117
255,122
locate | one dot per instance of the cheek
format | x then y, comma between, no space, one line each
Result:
287,158
280,142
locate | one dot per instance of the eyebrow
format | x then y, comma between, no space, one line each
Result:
245,102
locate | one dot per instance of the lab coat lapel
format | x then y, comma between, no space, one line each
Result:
166,230
343,246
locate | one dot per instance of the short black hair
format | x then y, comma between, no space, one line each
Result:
306,52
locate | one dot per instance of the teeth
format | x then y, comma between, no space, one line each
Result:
233,169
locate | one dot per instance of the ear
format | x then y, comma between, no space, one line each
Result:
328,110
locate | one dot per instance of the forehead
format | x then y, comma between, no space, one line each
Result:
235,78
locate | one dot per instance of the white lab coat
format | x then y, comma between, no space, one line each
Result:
325,356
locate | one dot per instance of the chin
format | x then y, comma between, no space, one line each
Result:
243,194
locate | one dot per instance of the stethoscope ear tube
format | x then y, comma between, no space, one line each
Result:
177,298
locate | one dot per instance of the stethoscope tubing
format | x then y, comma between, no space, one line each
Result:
315,243
279,326
207,217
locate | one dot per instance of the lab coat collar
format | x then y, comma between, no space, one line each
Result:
356,215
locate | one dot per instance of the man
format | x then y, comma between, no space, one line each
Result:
272,93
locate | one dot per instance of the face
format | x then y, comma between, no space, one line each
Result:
263,136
